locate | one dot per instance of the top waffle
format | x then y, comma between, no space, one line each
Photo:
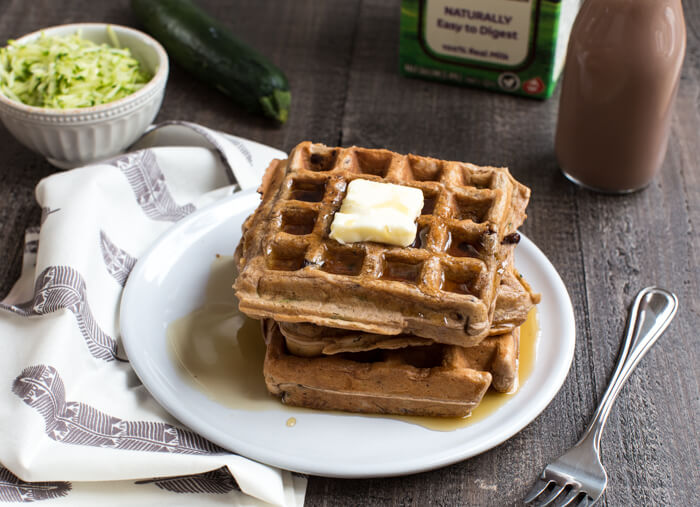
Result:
442,287
514,300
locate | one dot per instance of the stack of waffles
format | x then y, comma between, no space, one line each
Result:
375,328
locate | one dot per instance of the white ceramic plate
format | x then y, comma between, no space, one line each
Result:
169,282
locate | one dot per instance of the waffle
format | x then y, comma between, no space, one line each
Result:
435,380
442,287
514,301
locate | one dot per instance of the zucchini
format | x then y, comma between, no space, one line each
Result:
207,49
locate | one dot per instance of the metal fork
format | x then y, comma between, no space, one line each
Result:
578,477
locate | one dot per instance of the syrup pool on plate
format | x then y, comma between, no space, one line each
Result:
221,352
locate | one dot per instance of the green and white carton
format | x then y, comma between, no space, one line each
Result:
513,46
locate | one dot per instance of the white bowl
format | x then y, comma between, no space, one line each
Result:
74,137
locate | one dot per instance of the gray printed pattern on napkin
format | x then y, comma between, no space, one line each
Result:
59,287
14,489
242,148
71,422
217,481
118,262
23,309
148,184
204,132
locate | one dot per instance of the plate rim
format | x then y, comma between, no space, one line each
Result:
296,463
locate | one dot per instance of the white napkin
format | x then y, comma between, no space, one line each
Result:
73,415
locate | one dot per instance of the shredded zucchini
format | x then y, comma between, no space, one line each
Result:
69,72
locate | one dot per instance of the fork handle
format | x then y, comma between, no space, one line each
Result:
651,313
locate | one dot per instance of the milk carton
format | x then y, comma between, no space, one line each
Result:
513,46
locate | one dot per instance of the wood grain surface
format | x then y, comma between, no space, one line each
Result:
341,58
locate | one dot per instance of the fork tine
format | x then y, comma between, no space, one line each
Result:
592,500
570,497
552,495
536,490
585,501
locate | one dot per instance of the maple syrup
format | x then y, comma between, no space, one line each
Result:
299,224
323,162
428,204
460,283
421,240
401,271
308,191
373,163
283,256
457,287
475,211
457,247
285,264
343,262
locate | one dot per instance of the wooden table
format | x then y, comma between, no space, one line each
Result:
341,58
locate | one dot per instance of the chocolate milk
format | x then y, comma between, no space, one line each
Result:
620,80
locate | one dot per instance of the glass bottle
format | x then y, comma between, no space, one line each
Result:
620,80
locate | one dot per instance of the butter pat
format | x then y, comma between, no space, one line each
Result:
381,212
